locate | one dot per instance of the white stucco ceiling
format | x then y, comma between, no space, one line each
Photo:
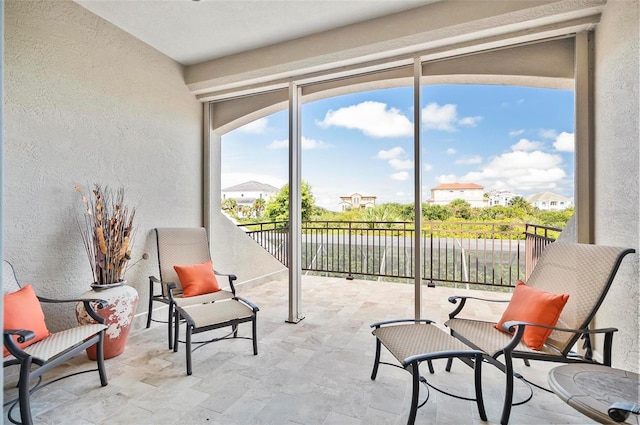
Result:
195,31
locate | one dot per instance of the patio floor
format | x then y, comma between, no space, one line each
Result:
314,372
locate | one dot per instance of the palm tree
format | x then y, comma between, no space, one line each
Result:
258,206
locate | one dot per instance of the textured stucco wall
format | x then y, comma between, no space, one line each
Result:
617,152
87,103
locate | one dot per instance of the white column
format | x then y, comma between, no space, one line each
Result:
417,187
584,137
295,205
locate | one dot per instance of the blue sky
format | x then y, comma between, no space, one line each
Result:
501,137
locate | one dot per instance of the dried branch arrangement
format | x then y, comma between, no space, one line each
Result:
107,233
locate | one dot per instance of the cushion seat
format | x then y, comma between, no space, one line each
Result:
204,315
484,336
202,299
60,342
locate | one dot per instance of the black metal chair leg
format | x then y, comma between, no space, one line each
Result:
150,304
172,309
176,329
449,363
416,392
478,382
100,357
376,362
430,364
508,396
255,336
23,392
188,348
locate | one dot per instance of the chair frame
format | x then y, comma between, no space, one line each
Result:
168,289
191,328
27,362
564,354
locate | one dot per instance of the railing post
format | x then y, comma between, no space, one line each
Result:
349,276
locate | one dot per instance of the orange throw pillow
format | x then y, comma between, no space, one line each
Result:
22,310
197,279
534,306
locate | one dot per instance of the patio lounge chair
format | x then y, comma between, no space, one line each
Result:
23,311
584,272
181,246
190,288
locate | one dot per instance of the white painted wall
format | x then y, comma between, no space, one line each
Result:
617,153
475,197
87,103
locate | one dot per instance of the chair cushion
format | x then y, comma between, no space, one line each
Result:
22,310
197,279
534,306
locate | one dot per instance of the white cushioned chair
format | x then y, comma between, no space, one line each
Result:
40,357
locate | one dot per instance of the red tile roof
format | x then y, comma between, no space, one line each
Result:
457,186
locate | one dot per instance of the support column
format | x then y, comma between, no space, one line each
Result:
295,205
584,137
417,187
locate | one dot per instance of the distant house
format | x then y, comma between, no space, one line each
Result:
501,197
357,201
444,193
549,201
245,194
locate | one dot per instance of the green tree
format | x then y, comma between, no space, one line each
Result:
435,212
379,213
230,206
258,206
460,208
277,208
520,203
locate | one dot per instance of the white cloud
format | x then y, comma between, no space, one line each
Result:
374,119
401,164
477,159
514,133
279,144
391,153
565,142
395,158
401,176
257,126
445,117
307,144
446,178
524,171
451,151
548,134
470,121
526,145
427,167
439,117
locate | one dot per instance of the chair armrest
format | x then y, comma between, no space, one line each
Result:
24,335
89,304
388,322
231,277
512,325
463,299
248,303
619,412
170,287
519,328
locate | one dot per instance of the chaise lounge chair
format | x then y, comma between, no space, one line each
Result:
583,272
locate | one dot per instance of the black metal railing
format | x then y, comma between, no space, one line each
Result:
478,253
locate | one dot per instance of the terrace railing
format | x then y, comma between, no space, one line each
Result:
488,254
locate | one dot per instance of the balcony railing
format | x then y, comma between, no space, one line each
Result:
488,254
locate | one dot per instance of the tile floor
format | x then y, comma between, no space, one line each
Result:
316,372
